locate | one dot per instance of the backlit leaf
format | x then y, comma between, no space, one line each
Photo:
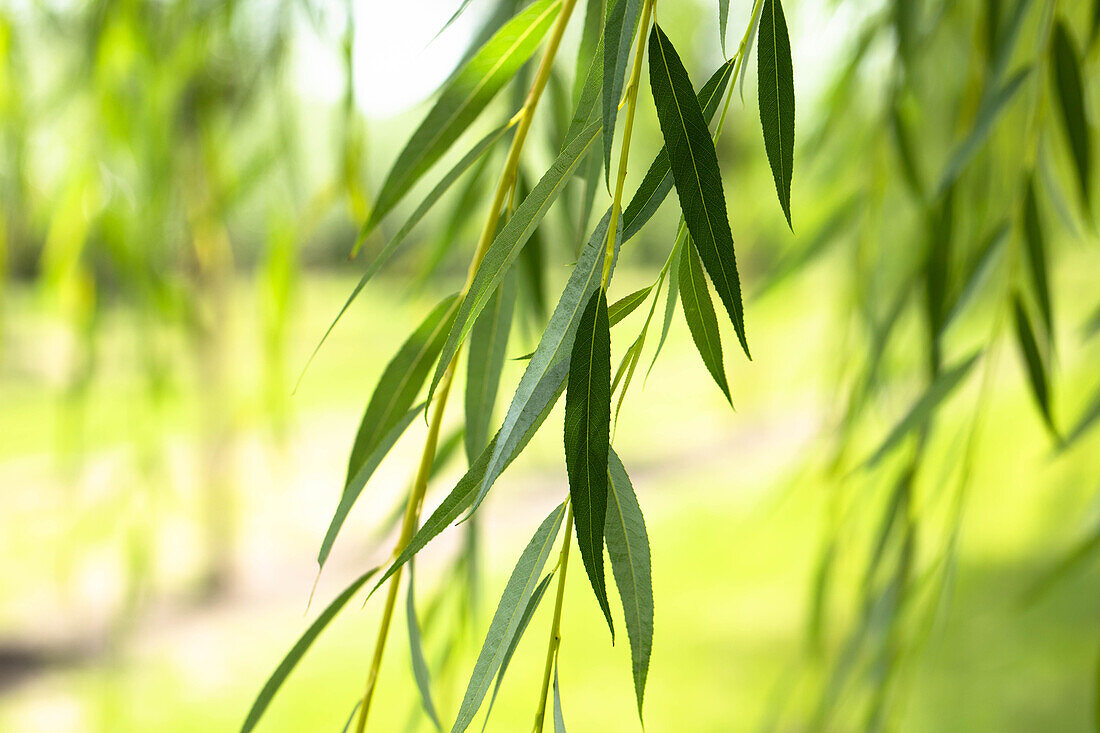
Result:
587,438
775,89
1071,104
699,314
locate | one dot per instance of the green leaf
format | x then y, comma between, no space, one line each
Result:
618,36
488,344
416,652
695,171
591,40
723,20
508,616
505,248
989,110
559,719
1037,254
383,257
588,436
657,182
923,409
628,548
699,314
1084,424
400,382
1036,369
298,650
979,273
670,296
626,305
355,485
775,89
587,111
462,99
1071,103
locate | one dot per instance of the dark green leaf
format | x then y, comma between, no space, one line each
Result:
1071,103
462,99
657,182
1036,369
488,344
696,174
775,88
416,652
506,621
628,548
618,36
400,382
298,650
923,409
699,314
1037,254
355,485
587,438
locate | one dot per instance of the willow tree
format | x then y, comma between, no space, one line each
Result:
925,244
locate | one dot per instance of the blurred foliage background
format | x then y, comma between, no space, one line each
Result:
180,186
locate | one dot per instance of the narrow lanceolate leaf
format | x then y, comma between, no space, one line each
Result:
923,409
587,438
775,87
1037,255
416,652
979,272
508,616
628,548
462,99
488,344
1071,103
506,246
618,35
400,382
670,298
723,20
626,305
590,40
559,718
356,483
298,650
989,111
657,181
694,163
699,314
1033,361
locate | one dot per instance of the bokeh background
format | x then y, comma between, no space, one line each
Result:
180,185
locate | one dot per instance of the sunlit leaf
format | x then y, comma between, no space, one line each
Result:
416,652
618,36
298,650
699,314
775,88
462,99
508,617
488,344
1037,255
1033,361
628,548
696,174
1071,103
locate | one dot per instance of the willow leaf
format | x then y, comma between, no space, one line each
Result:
979,273
355,485
618,36
657,181
628,548
462,99
400,382
1033,361
591,39
587,111
699,314
1071,103
775,90
488,344
723,20
1037,254
695,171
587,438
670,297
923,408
506,246
298,651
416,652
559,719
506,621
626,305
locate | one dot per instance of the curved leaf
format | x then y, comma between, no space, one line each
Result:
775,89
587,438
618,36
1036,369
298,650
696,174
508,617
488,342
416,652
462,99
628,548
1071,103
699,314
